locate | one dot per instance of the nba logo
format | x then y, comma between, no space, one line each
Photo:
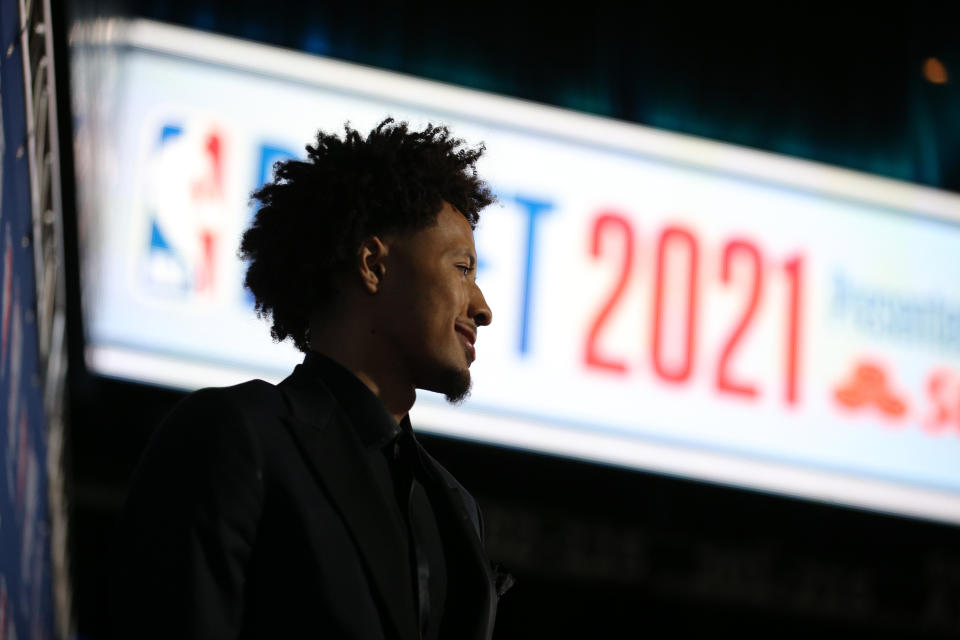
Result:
185,203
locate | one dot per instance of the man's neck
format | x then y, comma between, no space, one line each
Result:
382,378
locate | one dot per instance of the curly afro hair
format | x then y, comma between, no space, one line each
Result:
316,212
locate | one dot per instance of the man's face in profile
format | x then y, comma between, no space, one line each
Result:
435,305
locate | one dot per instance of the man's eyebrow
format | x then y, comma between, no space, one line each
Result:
469,255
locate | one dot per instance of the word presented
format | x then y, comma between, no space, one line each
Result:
910,318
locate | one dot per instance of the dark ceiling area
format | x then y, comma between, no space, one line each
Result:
834,83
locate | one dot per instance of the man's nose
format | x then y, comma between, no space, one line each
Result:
479,310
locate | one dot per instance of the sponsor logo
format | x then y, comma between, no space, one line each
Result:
869,387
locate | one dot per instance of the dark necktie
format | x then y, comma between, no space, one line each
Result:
405,461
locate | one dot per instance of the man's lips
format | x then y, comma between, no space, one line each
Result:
468,333
469,337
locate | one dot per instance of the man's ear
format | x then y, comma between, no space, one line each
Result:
371,263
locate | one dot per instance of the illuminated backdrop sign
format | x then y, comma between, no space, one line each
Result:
660,302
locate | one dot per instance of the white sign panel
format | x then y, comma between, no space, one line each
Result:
660,302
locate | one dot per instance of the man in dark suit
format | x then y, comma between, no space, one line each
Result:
309,508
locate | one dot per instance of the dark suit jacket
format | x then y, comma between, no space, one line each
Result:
253,514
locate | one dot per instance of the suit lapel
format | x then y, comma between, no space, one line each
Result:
472,604
338,460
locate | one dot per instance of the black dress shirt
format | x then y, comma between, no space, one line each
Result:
394,456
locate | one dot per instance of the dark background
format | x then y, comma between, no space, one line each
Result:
599,551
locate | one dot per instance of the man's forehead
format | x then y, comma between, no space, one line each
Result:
452,224
446,235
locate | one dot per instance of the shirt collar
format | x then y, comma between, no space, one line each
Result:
371,420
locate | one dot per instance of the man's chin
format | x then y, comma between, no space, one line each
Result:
461,392
454,384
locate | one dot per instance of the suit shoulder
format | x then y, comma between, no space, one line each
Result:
238,394
208,416
237,401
